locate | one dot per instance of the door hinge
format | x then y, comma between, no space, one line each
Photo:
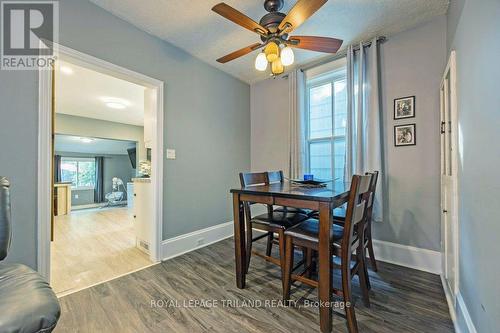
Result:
443,125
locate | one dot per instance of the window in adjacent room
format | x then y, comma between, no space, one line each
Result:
79,171
326,111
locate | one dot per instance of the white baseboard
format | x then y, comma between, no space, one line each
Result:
408,256
179,245
458,309
462,309
451,304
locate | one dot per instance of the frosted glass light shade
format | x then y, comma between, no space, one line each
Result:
277,67
261,62
272,51
287,56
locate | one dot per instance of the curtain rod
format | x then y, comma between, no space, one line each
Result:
339,55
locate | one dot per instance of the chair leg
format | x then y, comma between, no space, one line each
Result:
314,261
248,245
287,272
372,254
352,324
362,274
269,247
307,253
282,247
367,276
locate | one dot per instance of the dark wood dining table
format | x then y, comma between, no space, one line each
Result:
323,200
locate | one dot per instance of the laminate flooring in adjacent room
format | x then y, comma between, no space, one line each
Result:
92,246
157,299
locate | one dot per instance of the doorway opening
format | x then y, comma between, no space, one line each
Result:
100,172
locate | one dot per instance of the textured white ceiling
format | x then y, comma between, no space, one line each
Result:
192,26
82,92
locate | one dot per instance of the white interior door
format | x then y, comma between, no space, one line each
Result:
449,180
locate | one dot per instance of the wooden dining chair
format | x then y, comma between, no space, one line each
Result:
272,222
339,218
345,242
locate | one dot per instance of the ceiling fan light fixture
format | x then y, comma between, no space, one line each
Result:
261,62
277,67
287,56
272,51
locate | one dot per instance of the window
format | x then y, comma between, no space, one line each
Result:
326,130
79,171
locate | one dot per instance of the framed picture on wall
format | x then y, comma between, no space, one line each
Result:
405,135
404,107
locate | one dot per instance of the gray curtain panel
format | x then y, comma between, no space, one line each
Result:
297,90
364,146
99,178
57,168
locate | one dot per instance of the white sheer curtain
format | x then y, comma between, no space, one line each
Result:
297,148
364,135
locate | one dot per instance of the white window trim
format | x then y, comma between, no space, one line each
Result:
319,80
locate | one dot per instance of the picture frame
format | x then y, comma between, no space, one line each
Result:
404,107
405,135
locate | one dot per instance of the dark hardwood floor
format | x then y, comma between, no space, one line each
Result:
157,299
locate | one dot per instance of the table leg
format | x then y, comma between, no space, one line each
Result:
324,253
239,241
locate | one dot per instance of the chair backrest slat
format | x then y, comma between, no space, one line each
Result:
275,177
359,213
356,209
373,188
253,179
364,183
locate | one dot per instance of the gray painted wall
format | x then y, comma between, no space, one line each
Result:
114,166
269,104
475,36
412,63
207,113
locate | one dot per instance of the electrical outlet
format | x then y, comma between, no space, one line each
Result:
200,241
170,154
76,196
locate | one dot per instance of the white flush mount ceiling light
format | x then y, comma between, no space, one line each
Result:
66,70
86,140
115,103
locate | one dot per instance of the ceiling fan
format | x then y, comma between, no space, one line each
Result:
274,29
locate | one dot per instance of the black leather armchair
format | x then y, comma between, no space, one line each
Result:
27,303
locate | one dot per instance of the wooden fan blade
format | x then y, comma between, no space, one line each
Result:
239,18
314,43
239,53
302,10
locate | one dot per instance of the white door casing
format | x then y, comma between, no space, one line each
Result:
45,142
449,179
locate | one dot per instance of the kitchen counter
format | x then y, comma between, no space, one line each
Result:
141,180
